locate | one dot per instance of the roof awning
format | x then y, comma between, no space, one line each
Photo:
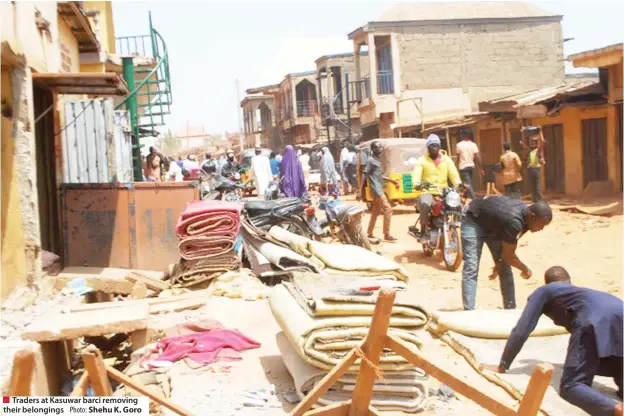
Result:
73,13
107,83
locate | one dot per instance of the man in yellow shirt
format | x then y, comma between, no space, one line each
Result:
434,168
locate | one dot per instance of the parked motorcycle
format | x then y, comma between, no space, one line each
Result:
273,190
293,214
345,222
444,226
217,187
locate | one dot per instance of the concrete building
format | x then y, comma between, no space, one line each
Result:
296,111
435,61
259,121
43,44
332,72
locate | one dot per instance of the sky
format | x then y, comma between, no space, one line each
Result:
212,44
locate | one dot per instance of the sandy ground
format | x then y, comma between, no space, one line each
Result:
589,247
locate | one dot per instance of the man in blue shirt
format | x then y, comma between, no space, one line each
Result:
594,320
275,164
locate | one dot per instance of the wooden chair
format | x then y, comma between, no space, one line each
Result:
370,352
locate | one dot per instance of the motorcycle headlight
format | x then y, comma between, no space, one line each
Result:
453,200
237,176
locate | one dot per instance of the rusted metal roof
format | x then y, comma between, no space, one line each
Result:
72,13
82,83
533,97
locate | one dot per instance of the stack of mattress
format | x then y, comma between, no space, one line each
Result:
208,232
323,317
282,251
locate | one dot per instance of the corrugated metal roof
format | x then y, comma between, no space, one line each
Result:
532,97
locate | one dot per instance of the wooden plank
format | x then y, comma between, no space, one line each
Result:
196,295
64,326
128,382
22,373
177,306
373,347
82,386
336,409
96,369
321,388
372,411
151,283
538,384
456,384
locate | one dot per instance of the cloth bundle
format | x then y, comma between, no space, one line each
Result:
209,234
194,272
324,317
280,251
208,229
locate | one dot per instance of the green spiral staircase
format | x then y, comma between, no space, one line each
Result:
150,98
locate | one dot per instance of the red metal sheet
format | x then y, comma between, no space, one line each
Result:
126,226
96,227
157,208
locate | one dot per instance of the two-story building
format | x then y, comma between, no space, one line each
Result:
337,96
296,111
437,61
258,121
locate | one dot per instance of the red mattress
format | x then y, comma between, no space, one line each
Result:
209,218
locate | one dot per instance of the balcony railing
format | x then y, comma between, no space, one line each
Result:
385,82
360,90
307,108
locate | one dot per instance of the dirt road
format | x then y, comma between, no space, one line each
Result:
589,247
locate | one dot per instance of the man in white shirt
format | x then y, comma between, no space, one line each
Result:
261,171
467,153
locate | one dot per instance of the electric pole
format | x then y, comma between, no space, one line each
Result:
240,126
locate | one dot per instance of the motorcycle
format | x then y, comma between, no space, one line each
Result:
293,214
273,190
217,187
444,226
344,222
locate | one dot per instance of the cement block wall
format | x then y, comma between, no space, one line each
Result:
487,56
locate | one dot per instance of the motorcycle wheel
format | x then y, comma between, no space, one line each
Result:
453,254
296,227
358,235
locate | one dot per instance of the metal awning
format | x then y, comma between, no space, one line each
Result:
107,83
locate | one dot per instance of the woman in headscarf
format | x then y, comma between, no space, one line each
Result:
291,173
329,176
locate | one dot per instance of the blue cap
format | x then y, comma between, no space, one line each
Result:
433,139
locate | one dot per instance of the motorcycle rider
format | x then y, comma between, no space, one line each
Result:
434,168
230,168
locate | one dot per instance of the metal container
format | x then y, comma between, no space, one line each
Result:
126,225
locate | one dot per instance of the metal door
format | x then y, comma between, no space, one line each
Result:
554,157
595,163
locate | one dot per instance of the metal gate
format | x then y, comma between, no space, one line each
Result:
595,163
554,157
96,143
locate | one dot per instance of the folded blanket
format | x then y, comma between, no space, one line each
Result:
194,272
324,341
341,258
404,391
321,295
202,218
192,248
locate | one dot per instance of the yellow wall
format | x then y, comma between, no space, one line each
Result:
68,40
12,231
18,29
106,28
571,118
